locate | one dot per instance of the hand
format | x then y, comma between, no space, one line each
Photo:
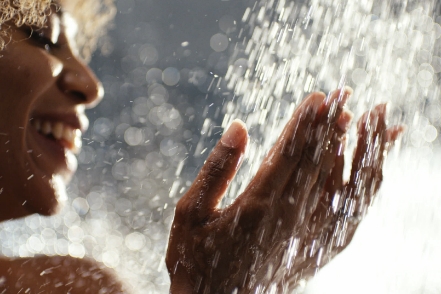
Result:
343,205
290,219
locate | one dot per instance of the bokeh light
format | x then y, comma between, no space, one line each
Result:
176,77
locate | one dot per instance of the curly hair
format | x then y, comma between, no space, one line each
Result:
93,18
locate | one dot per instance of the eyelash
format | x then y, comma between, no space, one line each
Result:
42,40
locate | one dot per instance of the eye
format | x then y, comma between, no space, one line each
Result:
41,39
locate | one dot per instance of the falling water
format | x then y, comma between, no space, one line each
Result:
387,52
160,119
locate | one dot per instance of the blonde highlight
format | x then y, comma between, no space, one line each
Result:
93,17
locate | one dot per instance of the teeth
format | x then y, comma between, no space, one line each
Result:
77,141
46,128
60,131
69,134
37,124
57,130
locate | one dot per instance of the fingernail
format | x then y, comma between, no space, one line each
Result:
235,134
382,108
345,120
340,95
394,133
344,95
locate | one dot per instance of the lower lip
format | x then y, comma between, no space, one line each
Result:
51,148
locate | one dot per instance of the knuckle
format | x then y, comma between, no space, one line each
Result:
215,168
182,207
187,212
188,205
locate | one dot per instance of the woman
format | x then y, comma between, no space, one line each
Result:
287,224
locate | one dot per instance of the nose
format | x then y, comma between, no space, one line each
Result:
79,82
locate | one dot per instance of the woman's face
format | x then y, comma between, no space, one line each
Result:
44,90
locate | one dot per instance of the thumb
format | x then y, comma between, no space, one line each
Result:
216,174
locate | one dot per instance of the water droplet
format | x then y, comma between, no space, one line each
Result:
359,76
171,76
133,136
219,42
135,241
430,133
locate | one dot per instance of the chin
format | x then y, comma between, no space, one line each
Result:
44,195
21,196
49,199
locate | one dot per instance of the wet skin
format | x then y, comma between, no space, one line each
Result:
41,78
210,250
287,205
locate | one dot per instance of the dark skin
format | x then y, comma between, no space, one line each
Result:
42,75
208,233
283,227
288,204
57,274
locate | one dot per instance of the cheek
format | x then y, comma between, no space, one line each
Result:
24,80
27,75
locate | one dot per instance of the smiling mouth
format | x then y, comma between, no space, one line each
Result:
57,131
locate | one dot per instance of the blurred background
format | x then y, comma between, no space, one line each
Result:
177,72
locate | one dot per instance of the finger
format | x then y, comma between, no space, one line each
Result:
376,176
283,158
338,225
393,134
329,181
306,185
331,225
316,111
356,204
367,165
219,169
334,179
335,160
370,143
322,215
330,199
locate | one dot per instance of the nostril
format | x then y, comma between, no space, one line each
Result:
80,84
78,95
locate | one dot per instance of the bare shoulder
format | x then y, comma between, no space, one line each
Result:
56,274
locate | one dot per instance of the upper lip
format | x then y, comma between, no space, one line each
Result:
73,119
